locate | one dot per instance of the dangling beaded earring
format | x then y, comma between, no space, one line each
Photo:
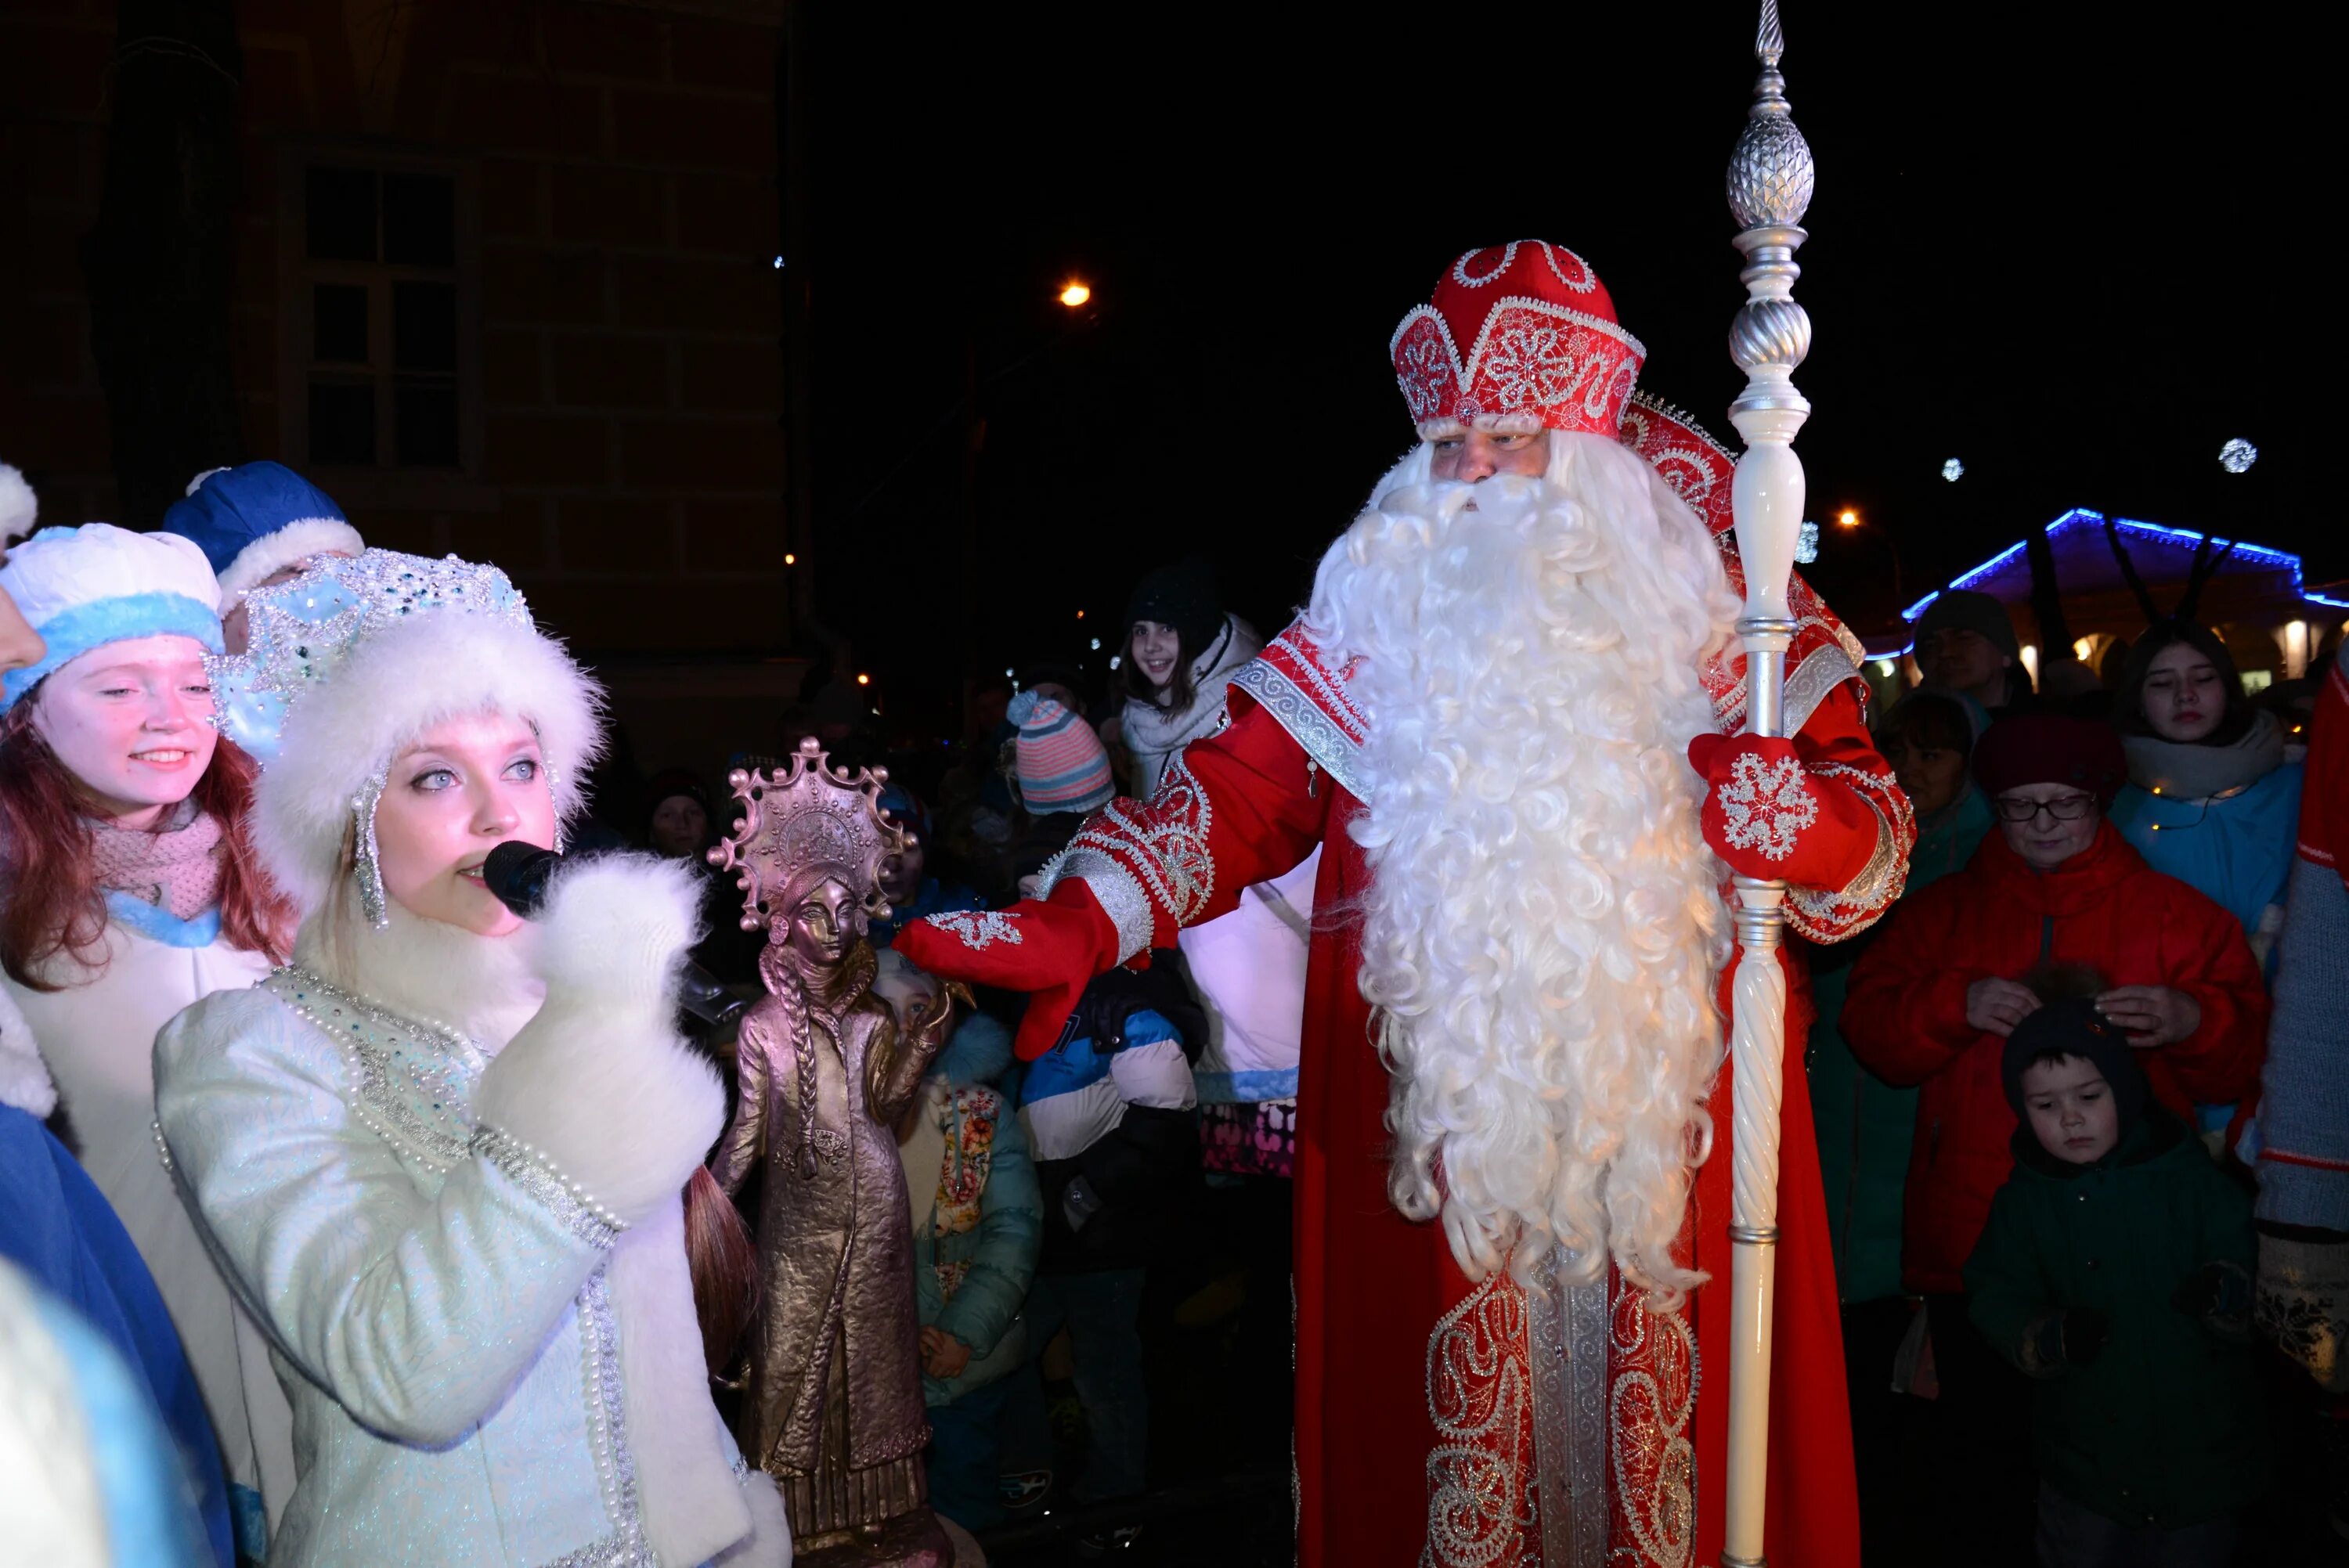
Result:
368,865
554,788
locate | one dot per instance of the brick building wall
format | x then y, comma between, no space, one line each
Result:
605,292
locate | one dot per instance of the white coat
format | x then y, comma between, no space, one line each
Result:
98,1038
468,1247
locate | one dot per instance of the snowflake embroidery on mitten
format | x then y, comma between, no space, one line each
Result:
1766,805
977,929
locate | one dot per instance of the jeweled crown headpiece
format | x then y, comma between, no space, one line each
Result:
1545,350
300,629
807,817
356,658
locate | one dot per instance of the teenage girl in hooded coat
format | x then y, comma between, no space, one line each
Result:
127,891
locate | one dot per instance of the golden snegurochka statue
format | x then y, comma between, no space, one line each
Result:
834,1408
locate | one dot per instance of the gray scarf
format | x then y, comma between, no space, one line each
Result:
2192,770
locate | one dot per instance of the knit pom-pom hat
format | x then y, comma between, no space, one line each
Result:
1062,766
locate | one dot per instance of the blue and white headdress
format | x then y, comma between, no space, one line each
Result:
82,588
357,658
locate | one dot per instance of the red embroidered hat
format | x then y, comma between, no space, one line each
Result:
1544,347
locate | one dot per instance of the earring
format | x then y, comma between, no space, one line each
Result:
554,789
368,865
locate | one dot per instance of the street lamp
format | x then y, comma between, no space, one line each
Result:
1075,294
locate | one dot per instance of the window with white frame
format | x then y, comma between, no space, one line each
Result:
378,338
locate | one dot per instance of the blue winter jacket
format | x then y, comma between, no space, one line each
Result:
2236,850
976,1244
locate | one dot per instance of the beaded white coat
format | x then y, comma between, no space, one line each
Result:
467,1247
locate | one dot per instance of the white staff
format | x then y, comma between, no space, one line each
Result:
1770,178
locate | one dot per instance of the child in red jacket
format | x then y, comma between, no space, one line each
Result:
1933,1000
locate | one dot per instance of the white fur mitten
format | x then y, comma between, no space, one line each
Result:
599,1084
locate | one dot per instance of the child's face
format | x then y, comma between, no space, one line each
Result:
2072,1110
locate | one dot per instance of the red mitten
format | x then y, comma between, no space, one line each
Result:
1768,816
1050,949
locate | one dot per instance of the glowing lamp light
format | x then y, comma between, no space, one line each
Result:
1847,517
790,560
779,263
1807,542
1095,644
2238,455
1115,660
2081,648
1075,294
1007,674
1953,470
863,680
1080,614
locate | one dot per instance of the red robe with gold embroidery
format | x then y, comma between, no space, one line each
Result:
1430,1411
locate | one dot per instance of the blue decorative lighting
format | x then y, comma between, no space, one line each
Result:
1807,542
2238,455
1953,470
2259,555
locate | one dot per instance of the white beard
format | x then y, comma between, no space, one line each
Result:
1544,929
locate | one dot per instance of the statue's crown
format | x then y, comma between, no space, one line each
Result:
804,815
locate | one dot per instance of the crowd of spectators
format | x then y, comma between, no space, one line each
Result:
2083,1126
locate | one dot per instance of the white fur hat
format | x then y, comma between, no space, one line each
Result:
82,588
19,505
390,685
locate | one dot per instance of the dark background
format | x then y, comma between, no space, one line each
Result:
2066,244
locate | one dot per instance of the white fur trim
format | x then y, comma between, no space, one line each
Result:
25,1081
19,507
272,554
599,1081
613,926
693,1506
769,1544
397,684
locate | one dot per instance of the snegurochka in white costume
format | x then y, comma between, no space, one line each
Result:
127,892
442,1154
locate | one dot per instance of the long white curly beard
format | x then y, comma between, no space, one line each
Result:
1544,927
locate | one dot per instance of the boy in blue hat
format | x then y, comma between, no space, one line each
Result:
260,524
257,524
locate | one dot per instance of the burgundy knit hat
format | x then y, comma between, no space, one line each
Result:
2051,748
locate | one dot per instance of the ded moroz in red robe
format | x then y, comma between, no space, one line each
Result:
1447,1422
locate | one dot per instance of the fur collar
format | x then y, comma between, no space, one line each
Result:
24,1081
483,987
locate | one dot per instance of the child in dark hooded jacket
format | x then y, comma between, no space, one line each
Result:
2115,1271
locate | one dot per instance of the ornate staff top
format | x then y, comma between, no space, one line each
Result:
1770,181
1770,172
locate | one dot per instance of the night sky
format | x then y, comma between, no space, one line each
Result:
2076,256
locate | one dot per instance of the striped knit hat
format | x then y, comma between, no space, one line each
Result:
1062,766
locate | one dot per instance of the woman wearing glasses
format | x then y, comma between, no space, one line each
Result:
2055,900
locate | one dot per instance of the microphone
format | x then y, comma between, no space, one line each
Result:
517,873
